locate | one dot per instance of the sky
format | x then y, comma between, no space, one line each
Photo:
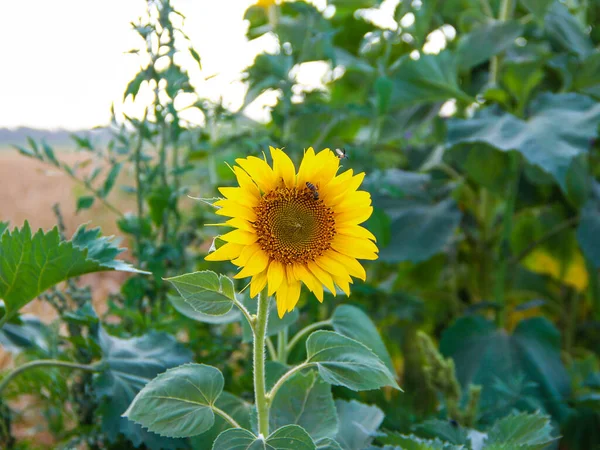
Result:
64,62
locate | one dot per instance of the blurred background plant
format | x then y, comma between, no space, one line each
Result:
476,122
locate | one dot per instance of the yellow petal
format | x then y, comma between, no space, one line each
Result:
349,188
328,164
283,167
256,264
336,187
355,231
259,171
235,210
246,255
358,199
225,253
240,223
240,237
356,248
306,167
353,217
322,276
343,284
240,195
303,274
282,299
245,181
258,283
331,266
275,276
293,295
353,267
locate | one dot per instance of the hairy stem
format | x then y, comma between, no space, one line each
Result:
286,376
306,330
227,417
260,330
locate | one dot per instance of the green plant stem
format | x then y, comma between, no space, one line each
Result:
246,313
46,362
227,417
139,190
506,10
272,351
260,330
286,376
509,210
282,340
304,331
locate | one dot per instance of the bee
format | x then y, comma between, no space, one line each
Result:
341,153
314,190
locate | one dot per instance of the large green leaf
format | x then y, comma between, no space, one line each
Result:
305,400
566,31
488,40
237,408
490,357
420,230
206,292
346,362
520,431
129,365
30,264
431,78
588,232
354,323
411,442
178,403
586,76
358,424
559,129
187,310
290,437
28,333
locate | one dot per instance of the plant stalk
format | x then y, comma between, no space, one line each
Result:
304,331
46,362
286,376
260,330
282,340
506,11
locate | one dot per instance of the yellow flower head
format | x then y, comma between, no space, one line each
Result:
293,228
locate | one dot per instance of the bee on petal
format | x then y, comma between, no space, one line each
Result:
314,190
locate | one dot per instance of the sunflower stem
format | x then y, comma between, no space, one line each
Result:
260,330
282,340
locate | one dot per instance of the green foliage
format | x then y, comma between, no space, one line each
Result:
290,437
31,263
179,402
358,424
206,292
346,362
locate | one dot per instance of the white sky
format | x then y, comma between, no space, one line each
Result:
64,62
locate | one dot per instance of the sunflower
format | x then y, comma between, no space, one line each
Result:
293,228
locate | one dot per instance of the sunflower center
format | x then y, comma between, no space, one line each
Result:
294,225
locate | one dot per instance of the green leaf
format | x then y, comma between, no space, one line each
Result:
237,408
130,364
328,444
290,437
178,403
352,322
490,357
586,76
420,230
29,333
520,431
589,231
537,7
110,180
383,90
358,424
431,78
559,129
486,41
206,292
85,202
452,433
305,400
30,264
412,442
564,29
3,227
346,362
348,7
187,310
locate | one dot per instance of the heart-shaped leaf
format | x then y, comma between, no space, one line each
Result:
233,315
358,424
290,437
346,362
206,292
179,402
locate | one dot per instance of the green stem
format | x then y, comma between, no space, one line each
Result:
286,376
503,254
46,362
304,331
246,313
260,330
271,348
227,417
506,10
282,340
